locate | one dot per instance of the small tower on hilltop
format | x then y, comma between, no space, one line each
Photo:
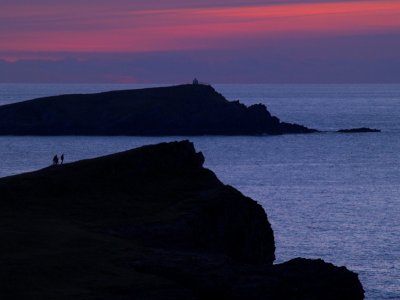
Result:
195,82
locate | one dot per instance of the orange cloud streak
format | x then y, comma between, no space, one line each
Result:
82,29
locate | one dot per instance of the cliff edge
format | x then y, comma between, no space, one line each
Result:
149,223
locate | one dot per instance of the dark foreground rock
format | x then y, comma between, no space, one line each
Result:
175,110
149,223
361,129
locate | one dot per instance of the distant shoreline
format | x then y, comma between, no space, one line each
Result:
183,110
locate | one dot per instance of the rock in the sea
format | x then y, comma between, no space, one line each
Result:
149,223
316,279
174,110
361,129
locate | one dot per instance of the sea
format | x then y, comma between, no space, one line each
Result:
327,195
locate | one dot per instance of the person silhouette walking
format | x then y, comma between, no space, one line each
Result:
55,160
62,158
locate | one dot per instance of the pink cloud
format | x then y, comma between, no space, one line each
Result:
75,27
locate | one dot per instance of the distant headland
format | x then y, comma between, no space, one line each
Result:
189,109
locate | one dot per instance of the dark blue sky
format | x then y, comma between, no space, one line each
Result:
169,42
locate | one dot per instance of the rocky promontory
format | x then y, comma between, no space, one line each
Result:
149,223
191,109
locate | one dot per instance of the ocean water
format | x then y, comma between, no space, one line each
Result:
328,195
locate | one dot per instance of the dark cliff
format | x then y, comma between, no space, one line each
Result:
175,110
149,223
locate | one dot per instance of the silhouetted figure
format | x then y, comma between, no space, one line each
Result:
55,160
195,81
62,158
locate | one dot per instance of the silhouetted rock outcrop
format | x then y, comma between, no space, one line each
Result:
175,110
149,223
355,130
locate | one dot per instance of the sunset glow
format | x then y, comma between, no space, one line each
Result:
254,32
79,28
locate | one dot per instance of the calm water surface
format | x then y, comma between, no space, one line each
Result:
327,195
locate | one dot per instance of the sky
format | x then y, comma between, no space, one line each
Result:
235,41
